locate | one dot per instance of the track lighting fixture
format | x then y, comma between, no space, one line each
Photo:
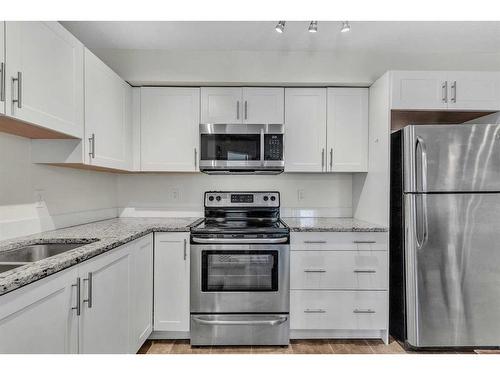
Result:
313,27
345,27
280,27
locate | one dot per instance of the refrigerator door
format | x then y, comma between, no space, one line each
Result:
451,158
452,251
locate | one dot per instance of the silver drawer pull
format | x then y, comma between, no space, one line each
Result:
363,311
314,241
314,311
273,322
365,271
320,270
364,241
89,290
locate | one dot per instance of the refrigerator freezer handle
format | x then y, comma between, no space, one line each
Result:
420,144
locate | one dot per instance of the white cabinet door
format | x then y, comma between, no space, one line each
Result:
2,68
263,105
347,130
39,318
171,282
108,100
305,130
426,90
141,301
221,105
46,62
474,91
105,318
170,119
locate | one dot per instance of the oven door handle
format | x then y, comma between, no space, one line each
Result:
240,240
273,322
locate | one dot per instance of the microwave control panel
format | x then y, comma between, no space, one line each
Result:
273,146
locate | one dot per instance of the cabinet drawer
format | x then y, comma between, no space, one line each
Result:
338,270
338,310
339,241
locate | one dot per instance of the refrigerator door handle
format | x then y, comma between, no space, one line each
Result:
422,235
420,145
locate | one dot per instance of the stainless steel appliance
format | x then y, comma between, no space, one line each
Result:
241,149
445,235
240,271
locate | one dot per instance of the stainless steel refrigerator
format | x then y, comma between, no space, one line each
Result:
445,235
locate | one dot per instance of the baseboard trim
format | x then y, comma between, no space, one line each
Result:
169,335
337,334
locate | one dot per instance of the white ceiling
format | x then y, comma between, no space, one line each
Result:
382,37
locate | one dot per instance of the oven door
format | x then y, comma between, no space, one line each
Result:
240,278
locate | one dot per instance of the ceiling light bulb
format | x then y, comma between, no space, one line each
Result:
313,27
345,27
280,27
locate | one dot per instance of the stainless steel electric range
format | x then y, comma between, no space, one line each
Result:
240,271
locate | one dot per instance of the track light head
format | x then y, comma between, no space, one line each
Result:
280,27
345,27
313,27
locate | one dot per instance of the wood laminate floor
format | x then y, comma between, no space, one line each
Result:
296,347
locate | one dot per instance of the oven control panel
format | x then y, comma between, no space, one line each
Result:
242,199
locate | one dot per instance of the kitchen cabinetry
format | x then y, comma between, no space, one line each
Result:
41,317
171,283
445,90
339,284
326,130
2,68
44,76
247,105
108,116
170,119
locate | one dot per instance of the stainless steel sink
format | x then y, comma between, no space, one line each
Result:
8,267
33,253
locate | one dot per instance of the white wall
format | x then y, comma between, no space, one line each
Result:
154,194
70,196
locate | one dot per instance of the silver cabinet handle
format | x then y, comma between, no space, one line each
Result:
272,322
246,109
319,270
363,311
92,146
444,87
314,311
78,306
89,290
365,271
360,241
331,158
185,249
19,80
195,157
454,92
237,109
2,82
322,158
310,241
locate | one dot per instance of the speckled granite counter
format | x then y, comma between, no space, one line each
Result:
331,224
100,236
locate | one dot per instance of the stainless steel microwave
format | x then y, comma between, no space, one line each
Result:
241,149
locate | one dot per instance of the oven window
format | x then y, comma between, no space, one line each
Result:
239,271
235,147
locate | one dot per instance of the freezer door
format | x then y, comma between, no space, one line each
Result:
446,158
452,251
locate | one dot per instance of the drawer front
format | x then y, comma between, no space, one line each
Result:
338,270
339,241
338,310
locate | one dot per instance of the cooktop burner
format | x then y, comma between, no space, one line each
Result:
246,226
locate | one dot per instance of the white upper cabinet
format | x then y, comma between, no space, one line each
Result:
2,68
108,117
247,105
170,119
347,130
305,130
448,90
221,105
263,105
44,74
419,90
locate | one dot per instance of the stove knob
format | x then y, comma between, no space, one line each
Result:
218,198
273,198
265,198
211,198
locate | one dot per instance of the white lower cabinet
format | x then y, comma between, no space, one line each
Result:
40,318
48,317
171,283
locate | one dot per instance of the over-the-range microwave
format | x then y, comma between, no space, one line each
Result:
241,148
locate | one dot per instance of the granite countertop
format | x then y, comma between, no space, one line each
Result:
100,236
331,224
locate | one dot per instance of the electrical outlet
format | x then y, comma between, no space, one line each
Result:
176,195
39,201
300,194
